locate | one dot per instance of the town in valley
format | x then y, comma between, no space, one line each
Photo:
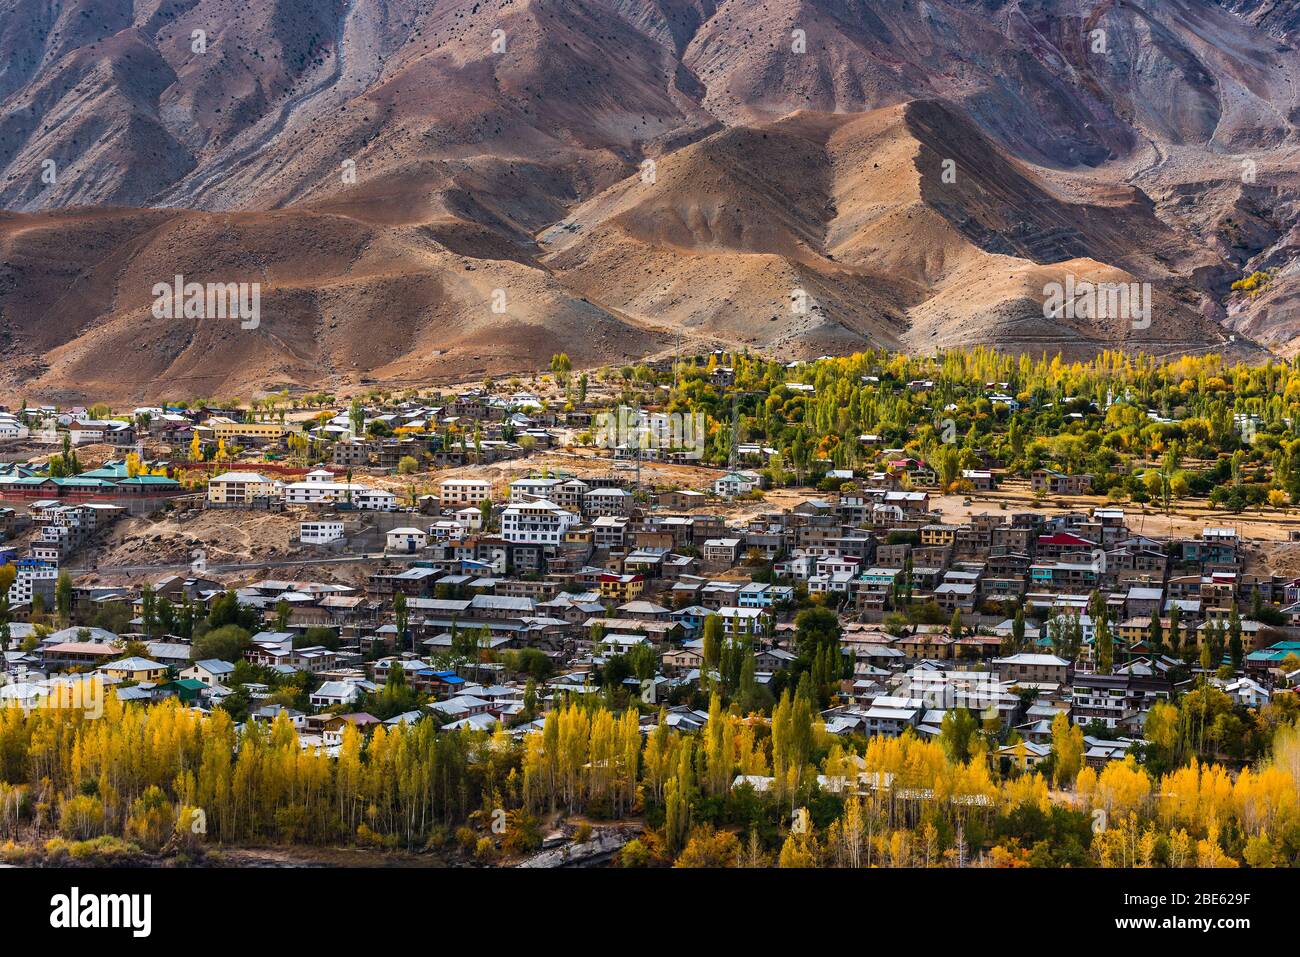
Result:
958,610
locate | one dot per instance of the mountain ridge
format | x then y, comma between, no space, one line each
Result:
469,162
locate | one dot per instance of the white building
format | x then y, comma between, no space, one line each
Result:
471,519
212,672
320,533
10,428
332,693
30,579
741,622
88,431
319,488
735,483
536,523
406,540
374,500
1246,692
607,501
446,530
533,490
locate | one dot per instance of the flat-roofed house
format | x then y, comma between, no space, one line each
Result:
240,488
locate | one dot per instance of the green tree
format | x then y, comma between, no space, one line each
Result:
227,643
401,618
1235,647
1155,634
530,698
1175,629
712,642
956,733
282,612
63,597
1103,640
148,611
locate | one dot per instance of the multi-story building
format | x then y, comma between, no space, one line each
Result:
1215,546
1117,701
736,483
373,500
621,587
34,577
569,494
320,533
936,534
1058,483
538,522
240,488
1078,577
248,432
1029,668
721,551
876,586
742,622
610,531
762,595
606,501
458,493
319,488
533,490
350,452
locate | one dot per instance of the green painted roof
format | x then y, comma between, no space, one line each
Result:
149,480
78,481
110,470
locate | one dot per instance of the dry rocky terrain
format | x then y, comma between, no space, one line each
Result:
426,192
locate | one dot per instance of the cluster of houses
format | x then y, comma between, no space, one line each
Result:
581,576
54,529
585,568
249,489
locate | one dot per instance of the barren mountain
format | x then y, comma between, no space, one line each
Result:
429,190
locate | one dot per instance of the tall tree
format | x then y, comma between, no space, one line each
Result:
1067,748
712,643
63,597
1235,646
401,618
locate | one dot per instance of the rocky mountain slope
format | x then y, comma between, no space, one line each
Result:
433,189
